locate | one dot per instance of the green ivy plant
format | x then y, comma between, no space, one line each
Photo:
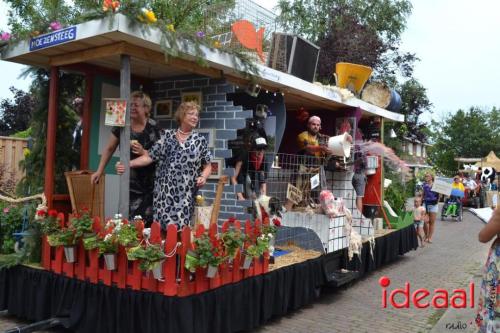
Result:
257,249
149,256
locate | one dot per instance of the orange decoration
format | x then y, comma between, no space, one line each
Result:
248,37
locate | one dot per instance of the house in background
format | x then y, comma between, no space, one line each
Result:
415,154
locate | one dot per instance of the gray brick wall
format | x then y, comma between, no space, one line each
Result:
219,114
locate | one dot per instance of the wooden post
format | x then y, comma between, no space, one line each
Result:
50,154
123,202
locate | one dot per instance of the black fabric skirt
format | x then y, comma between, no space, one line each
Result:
36,294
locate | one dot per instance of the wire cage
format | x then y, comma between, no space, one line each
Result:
296,181
220,17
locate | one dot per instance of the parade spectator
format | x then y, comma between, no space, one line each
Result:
487,318
470,184
183,166
431,199
457,193
143,134
479,172
419,216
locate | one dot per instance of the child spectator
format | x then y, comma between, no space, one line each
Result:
419,215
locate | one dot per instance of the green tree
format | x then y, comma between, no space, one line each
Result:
367,33
15,115
472,133
70,85
414,103
364,32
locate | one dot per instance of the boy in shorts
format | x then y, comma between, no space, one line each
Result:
418,219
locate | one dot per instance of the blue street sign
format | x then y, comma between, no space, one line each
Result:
53,38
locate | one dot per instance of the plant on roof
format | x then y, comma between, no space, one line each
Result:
178,21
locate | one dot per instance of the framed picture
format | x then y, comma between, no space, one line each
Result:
216,172
209,134
192,96
163,109
116,110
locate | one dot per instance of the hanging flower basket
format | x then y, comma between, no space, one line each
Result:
158,270
110,260
90,241
191,261
212,271
53,240
70,254
247,262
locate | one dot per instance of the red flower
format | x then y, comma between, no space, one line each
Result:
53,213
40,212
232,219
276,222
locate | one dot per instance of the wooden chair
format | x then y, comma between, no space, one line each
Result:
85,195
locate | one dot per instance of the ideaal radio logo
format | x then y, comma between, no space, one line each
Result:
423,298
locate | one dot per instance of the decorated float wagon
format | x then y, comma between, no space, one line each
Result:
87,292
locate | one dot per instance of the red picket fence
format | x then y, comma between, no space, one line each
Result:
177,281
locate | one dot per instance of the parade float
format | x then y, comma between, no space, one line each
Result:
89,280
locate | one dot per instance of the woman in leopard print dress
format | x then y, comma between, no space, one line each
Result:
182,166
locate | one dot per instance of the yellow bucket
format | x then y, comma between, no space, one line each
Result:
352,76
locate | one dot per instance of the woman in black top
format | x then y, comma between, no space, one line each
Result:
143,134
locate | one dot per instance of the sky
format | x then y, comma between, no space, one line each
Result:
456,41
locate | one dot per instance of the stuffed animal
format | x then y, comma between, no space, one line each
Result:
269,207
331,206
488,175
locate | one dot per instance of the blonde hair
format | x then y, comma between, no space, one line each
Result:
183,109
146,100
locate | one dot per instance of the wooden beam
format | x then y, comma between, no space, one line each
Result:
50,152
160,58
86,121
104,71
88,54
144,54
124,198
193,67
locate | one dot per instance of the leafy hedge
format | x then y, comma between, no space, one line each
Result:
11,221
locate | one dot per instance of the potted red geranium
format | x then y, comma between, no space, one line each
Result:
208,253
